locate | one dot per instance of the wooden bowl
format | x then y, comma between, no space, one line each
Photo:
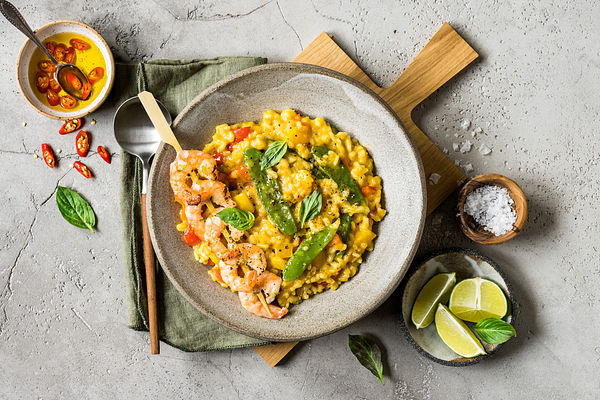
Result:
26,53
475,231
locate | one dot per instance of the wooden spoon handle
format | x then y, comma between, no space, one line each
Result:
158,119
150,283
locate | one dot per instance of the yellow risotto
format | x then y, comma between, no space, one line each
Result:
312,168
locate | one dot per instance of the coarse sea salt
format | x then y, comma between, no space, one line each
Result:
491,207
465,124
466,147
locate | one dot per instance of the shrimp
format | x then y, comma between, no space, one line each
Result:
254,256
269,284
191,162
252,304
213,228
229,274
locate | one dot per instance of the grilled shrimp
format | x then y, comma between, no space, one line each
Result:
254,256
229,274
187,162
269,284
252,304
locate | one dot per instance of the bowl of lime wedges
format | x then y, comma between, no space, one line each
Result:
457,307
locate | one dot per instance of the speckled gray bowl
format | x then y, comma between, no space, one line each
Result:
351,107
466,264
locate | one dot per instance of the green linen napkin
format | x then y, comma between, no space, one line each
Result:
175,83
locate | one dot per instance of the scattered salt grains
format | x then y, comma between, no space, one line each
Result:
434,178
468,167
465,124
484,149
455,146
445,150
491,207
457,163
466,146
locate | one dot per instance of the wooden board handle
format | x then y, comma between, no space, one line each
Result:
442,58
150,282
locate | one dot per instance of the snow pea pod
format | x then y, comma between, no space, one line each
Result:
307,252
340,175
344,231
269,193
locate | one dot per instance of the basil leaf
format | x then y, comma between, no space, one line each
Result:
310,207
75,209
494,330
274,153
368,354
241,220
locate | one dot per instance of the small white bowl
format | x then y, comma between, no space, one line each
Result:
26,53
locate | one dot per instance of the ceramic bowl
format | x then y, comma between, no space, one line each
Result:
351,107
466,264
26,54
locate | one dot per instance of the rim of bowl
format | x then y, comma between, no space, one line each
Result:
379,300
110,80
418,264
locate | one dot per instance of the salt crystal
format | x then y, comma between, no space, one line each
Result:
466,147
455,146
468,167
445,150
478,130
457,163
465,124
492,207
434,178
484,149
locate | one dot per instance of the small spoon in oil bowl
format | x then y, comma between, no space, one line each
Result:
69,77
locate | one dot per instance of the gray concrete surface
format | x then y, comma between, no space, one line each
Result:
534,93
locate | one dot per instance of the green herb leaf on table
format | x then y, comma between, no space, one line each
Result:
310,207
75,209
494,330
241,220
368,354
274,153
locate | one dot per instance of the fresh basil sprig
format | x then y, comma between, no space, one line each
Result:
274,153
310,207
494,330
368,354
241,220
75,209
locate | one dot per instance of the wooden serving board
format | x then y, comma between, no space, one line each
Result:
443,57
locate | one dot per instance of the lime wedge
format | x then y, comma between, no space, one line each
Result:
476,299
436,290
456,334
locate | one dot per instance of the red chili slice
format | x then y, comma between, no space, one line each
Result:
48,155
70,55
86,89
54,86
96,74
47,66
42,82
104,154
79,44
52,98
68,102
50,46
189,237
74,81
70,125
82,169
82,143
60,51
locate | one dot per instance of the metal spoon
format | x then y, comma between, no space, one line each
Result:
62,70
136,135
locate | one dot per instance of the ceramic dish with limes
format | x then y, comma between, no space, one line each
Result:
448,299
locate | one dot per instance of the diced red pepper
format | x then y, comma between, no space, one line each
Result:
82,169
218,158
368,190
189,237
48,155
